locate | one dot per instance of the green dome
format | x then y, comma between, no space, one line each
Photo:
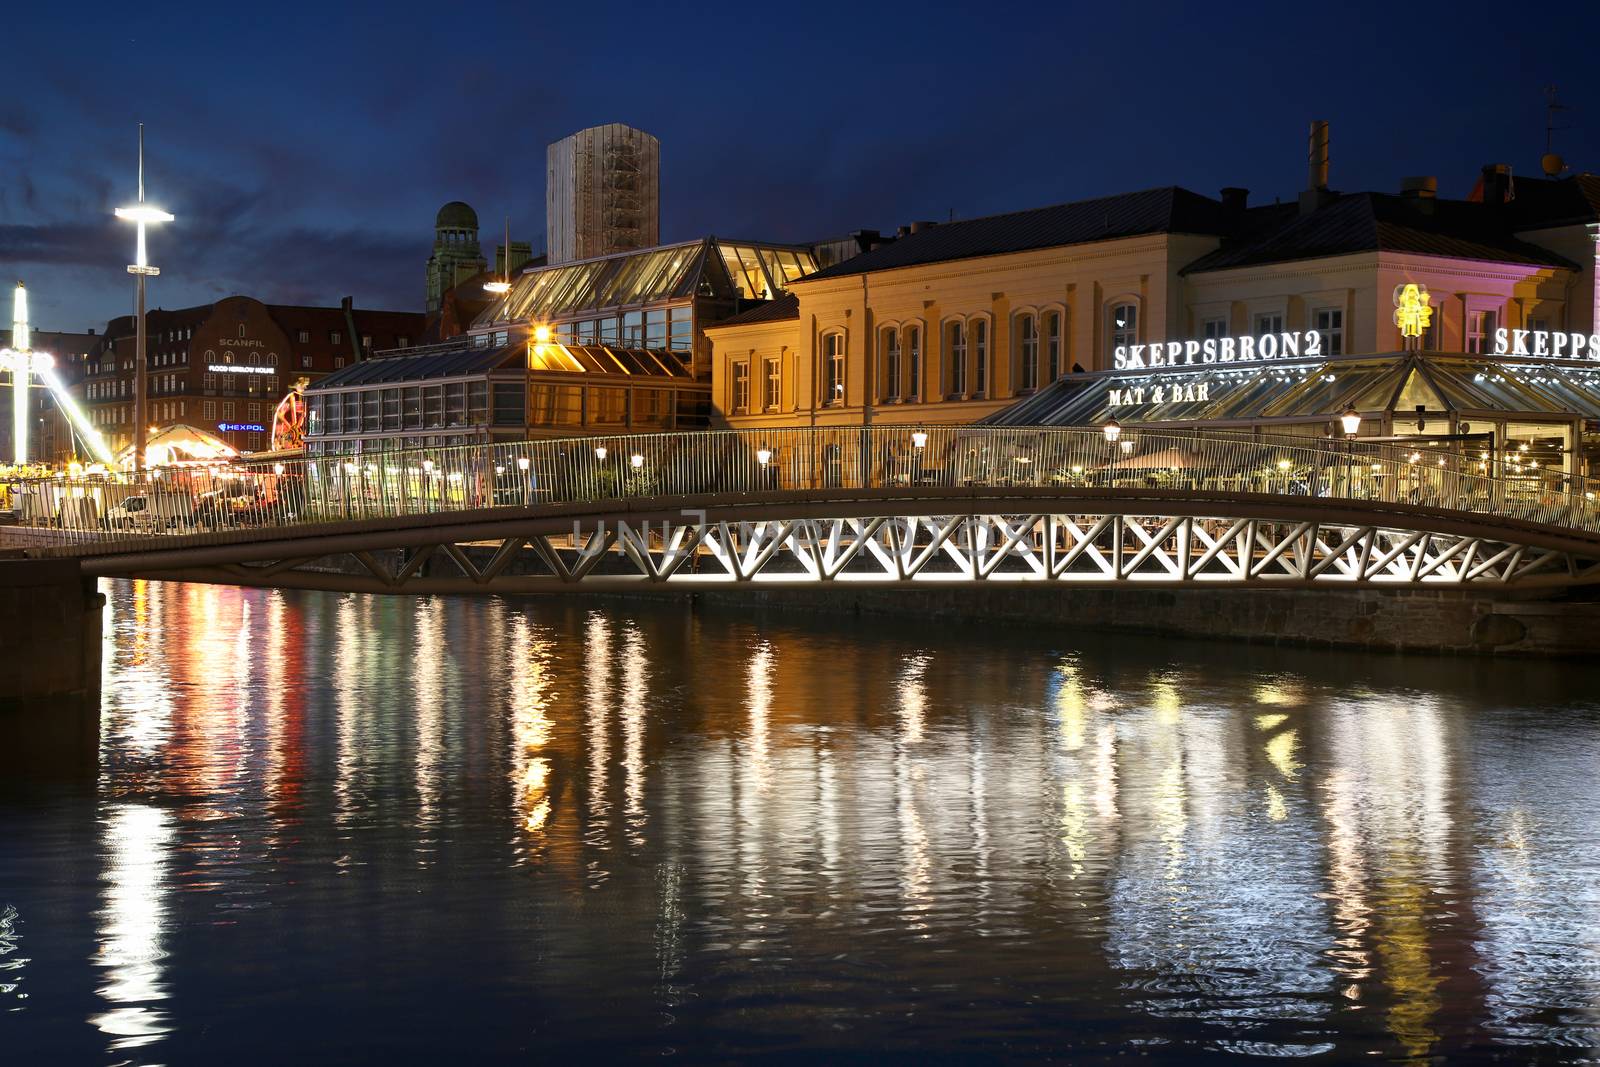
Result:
456,216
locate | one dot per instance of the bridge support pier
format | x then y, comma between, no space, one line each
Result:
49,632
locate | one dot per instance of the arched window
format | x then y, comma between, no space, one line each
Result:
891,364
1027,351
241,329
980,357
1122,326
272,359
833,369
913,355
1052,345
955,357
254,359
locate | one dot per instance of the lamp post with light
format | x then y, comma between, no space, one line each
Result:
141,215
1351,421
1113,430
527,480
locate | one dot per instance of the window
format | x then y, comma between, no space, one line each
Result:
1213,329
955,351
366,342
913,345
304,337
891,364
980,356
272,359
1269,322
774,385
741,387
1124,325
253,413
833,369
335,337
227,409
1052,345
241,329
1480,330
338,361
1329,322
305,361
1027,352
405,342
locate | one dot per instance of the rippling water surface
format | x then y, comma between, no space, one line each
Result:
320,828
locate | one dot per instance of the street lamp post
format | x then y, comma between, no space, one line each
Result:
141,215
1112,430
1351,421
527,488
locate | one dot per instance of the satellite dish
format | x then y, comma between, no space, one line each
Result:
1552,164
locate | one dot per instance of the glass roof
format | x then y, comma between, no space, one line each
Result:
1315,391
708,267
462,360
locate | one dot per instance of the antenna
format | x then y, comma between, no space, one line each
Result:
1552,164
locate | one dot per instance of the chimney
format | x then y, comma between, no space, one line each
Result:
1495,185
1317,156
1316,193
1419,187
919,226
1234,199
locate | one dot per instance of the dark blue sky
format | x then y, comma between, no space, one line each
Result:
306,152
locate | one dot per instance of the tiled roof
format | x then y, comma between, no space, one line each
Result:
1375,222
783,306
1165,210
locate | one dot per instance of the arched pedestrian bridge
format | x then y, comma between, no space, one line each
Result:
879,506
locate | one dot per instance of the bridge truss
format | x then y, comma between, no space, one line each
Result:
1084,546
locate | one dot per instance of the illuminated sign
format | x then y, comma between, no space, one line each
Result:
1219,350
251,427
1140,395
1547,344
1412,312
229,368
239,342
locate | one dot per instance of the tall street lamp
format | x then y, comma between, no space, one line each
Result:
1112,430
141,215
1351,421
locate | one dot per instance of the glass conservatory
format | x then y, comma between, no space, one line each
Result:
1533,414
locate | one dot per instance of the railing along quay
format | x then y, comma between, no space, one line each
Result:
393,484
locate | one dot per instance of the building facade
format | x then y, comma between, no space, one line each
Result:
224,367
958,322
602,193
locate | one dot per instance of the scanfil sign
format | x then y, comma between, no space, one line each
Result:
1218,350
1545,344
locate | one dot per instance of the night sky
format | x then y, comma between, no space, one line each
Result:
306,153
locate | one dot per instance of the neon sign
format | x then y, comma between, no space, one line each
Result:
1218,350
1412,312
229,368
1547,344
1178,393
242,427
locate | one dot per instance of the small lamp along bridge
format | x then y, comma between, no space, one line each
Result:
876,506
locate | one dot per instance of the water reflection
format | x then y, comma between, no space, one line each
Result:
715,836
133,919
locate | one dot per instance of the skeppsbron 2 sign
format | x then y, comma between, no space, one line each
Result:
1269,346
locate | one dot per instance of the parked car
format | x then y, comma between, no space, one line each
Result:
147,511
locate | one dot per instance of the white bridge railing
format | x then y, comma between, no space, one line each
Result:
335,488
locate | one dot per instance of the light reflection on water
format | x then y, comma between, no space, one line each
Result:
636,829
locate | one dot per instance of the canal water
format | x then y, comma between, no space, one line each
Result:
329,828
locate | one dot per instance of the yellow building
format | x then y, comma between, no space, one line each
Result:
951,323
